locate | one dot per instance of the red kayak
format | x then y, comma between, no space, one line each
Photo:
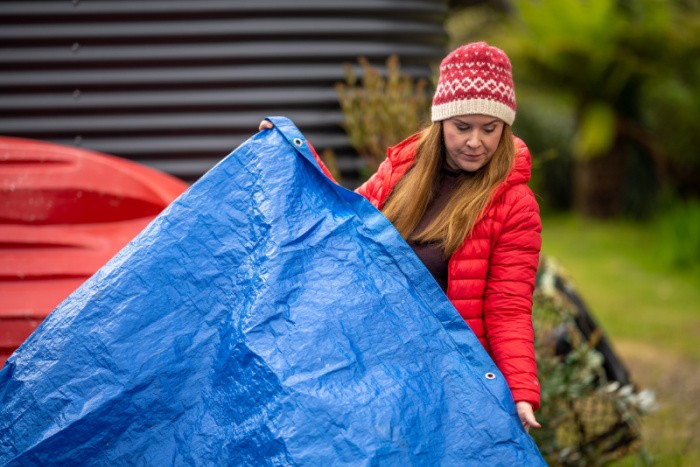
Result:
64,212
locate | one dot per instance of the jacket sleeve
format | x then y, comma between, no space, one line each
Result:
398,160
373,189
508,298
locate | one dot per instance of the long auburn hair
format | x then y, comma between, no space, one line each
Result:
412,195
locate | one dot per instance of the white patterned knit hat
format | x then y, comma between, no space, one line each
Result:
475,79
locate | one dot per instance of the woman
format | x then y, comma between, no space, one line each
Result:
457,192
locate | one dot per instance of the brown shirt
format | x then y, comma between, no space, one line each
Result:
431,253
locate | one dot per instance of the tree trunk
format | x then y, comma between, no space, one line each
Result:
599,185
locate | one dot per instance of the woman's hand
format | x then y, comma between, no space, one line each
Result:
265,125
527,415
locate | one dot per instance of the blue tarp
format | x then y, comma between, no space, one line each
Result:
267,317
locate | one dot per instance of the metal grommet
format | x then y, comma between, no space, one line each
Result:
490,375
298,142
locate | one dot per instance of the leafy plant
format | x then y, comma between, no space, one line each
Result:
587,419
380,109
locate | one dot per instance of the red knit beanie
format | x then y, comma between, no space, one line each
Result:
475,79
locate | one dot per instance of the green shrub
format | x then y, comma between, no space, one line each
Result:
586,419
380,109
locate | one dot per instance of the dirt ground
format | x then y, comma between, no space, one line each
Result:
672,432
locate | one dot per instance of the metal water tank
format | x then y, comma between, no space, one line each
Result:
178,84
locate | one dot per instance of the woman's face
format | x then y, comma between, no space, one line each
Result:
471,140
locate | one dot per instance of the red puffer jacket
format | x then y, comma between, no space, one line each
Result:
491,276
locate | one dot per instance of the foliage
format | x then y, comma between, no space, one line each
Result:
678,228
586,419
380,110
671,108
601,53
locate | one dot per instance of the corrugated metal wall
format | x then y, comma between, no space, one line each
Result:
178,84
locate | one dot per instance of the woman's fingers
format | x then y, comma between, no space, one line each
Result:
527,416
265,125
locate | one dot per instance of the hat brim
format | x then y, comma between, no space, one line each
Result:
473,107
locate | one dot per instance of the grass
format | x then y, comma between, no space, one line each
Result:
651,313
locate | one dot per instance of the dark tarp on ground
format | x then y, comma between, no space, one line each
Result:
268,316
